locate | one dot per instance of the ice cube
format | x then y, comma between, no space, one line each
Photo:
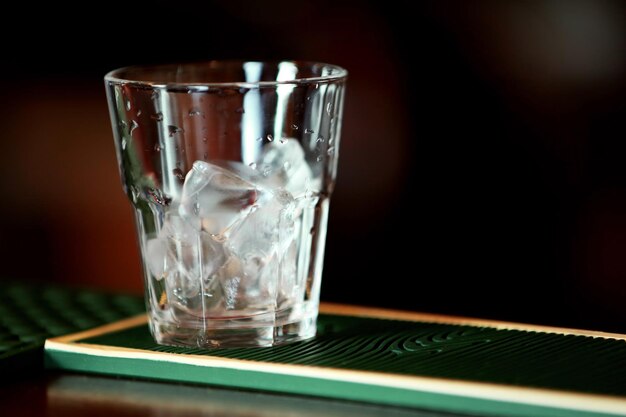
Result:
260,244
156,257
265,228
161,256
186,258
283,164
287,288
231,246
223,291
248,281
238,289
215,199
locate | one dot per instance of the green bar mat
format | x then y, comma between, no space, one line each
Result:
394,358
31,313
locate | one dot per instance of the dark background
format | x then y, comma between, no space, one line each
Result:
483,157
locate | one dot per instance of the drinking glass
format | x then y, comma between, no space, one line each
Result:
229,166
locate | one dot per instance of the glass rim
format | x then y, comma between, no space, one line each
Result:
116,76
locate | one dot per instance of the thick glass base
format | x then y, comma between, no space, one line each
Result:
234,333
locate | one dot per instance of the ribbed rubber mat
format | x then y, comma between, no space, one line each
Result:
544,360
393,358
31,313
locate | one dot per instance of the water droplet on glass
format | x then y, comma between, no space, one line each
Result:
331,150
252,165
123,143
320,139
157,196
157,147
132,127
122,124
190,91
243,90
294,127
267,170
204,140
139,112
157,116
259,139
173,130
329,108
270,138
309,131
178,173
287,165
331,141
154,95
205,155
317,86
319,158
127,102
195,112
283,140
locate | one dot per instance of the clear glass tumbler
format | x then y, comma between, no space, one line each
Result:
229,167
